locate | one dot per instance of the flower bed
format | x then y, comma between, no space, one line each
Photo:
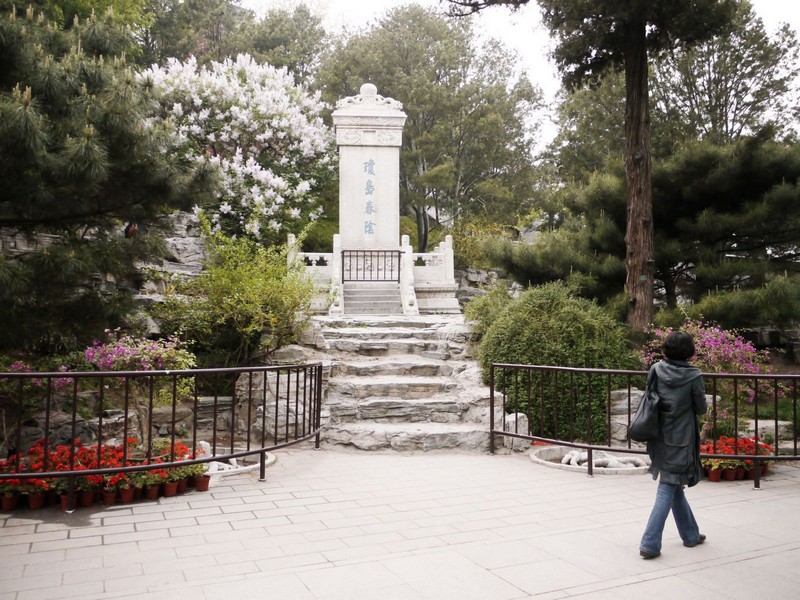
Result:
737,466
95,487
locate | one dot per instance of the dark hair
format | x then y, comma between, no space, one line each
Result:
679,345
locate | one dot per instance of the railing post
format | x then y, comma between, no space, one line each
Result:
491,409
262,466
337,303
318,407
449,259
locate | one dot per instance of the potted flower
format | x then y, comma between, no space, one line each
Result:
714,468
152,481
200,479
9,494
36,491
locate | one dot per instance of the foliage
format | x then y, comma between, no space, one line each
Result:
730,85
209,30
248,297
77,166
286,39
467,141
750,446
65,12
262,133
550,325
483,311
597,37
724,222
777,302
79,457
122,352
469,236
719,351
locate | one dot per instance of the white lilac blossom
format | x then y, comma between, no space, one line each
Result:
262,133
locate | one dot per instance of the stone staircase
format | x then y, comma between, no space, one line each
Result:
402,383
372,298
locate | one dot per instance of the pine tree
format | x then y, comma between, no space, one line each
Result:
80,161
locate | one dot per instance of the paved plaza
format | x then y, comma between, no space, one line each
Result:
337,525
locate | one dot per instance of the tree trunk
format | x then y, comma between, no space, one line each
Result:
638,170
423,226
670,287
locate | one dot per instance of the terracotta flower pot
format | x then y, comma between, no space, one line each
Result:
36,501
729,474
126,495
86,498
9,503
109,497
740,473
182,485
64,502
170,488
151,492
201,482
715,474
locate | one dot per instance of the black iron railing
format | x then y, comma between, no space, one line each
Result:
237,412
371,265
592,409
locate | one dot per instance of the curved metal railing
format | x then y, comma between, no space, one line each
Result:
238,412
591,409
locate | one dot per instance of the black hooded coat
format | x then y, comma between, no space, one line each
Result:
675,454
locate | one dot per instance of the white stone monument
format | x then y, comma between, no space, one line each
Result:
371,267
369,133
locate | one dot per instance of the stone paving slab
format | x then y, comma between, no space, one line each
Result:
343,525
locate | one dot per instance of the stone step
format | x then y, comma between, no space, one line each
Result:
437,409
381,333
410,364
408,436
379,293
373,307
369,322
395,386
433,349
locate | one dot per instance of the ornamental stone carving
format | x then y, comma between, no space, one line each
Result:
369,98
369,119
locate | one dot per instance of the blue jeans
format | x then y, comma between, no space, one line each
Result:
669,498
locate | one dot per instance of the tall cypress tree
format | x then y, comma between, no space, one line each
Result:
598,36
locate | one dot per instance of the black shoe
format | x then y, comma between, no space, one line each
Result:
699,541
648,555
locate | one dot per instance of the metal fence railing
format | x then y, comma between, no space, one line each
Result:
371,265
750,419
50,422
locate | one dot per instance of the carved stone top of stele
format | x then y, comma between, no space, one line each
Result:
368,102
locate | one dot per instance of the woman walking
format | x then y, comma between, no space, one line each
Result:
675,454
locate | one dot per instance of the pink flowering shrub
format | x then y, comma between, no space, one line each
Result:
58,383
128,353
719,351
124,352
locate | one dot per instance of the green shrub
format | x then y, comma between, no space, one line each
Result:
469,236
484,310
550,325
248,298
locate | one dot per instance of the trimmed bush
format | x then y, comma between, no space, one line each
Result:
550,325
